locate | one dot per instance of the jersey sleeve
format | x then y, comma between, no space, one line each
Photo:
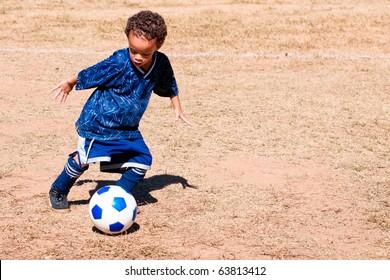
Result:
166,85
100,73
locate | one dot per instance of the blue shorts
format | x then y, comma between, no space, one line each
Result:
115,155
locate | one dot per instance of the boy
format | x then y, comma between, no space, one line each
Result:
108,124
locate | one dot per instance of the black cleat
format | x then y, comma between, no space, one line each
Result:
58,201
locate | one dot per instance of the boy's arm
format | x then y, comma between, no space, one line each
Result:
64,88
178,111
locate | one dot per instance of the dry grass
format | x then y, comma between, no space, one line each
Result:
289,156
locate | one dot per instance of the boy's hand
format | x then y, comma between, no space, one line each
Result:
178,111
64,88
180,116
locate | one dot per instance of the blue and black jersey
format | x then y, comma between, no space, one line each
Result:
122,93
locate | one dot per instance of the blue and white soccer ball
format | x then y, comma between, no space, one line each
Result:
112,209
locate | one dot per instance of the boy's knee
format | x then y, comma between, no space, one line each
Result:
76,158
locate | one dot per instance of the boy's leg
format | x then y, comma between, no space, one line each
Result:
133,162
61,186
130,178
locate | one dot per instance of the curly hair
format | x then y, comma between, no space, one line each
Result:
149,25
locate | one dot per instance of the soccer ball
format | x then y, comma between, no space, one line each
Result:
112,209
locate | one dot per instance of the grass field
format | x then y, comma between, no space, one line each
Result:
288,158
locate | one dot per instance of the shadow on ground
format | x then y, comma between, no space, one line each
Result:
142,192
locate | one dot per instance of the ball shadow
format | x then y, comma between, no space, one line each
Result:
134,228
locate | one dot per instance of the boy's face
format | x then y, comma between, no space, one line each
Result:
141,50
